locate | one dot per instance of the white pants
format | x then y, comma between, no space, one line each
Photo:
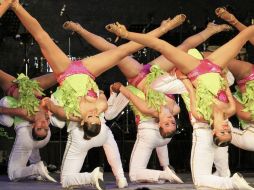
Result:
202,158
148,138
76,151
243,139
24,149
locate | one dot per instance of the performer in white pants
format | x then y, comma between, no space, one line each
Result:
76,150
25,148
148,139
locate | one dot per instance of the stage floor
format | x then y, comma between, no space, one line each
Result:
5,184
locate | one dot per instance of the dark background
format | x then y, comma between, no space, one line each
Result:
17,48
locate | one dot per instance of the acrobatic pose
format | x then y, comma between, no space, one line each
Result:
32,130
148,137
243,71
138,75
77,87
209,97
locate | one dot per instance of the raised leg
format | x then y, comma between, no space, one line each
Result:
231,19
4,5
54,55
228,51
129,66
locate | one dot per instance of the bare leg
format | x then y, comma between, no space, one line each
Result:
129,66
202,36
240,69
230,50
192,42
177,56
183,61
231,19
55,57
4,5
46,81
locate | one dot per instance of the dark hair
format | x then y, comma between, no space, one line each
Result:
91,130
168,134
36,137
220,143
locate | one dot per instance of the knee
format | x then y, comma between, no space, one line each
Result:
132,174
64,180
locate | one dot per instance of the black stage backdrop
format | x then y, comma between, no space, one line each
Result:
17,49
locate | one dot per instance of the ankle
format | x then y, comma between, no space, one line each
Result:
15,5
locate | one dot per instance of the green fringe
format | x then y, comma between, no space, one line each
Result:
72,88
246,98
155,99
27,99
209,85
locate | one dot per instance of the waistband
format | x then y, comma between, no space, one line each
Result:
142,74
204,67
76,67
243,81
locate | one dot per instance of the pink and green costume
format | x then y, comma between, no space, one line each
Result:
210,84
27,98
150,73
246,98
75,82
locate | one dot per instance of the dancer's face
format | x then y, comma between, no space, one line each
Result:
92,117
167,124
41,124
222,131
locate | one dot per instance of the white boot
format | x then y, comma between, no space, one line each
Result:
172,175
97,178
44,172
121,183
240,183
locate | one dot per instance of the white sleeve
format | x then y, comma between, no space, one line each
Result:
53,119
230,78
5,120
116,103
169,84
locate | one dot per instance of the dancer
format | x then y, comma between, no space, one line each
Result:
200,73
243,72
137,74
204,154
148,137
27,94
77,147
77,86
182,61
32,131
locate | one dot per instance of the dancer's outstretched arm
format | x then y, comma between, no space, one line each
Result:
58,111
4,6
231,19
138,102
19,112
